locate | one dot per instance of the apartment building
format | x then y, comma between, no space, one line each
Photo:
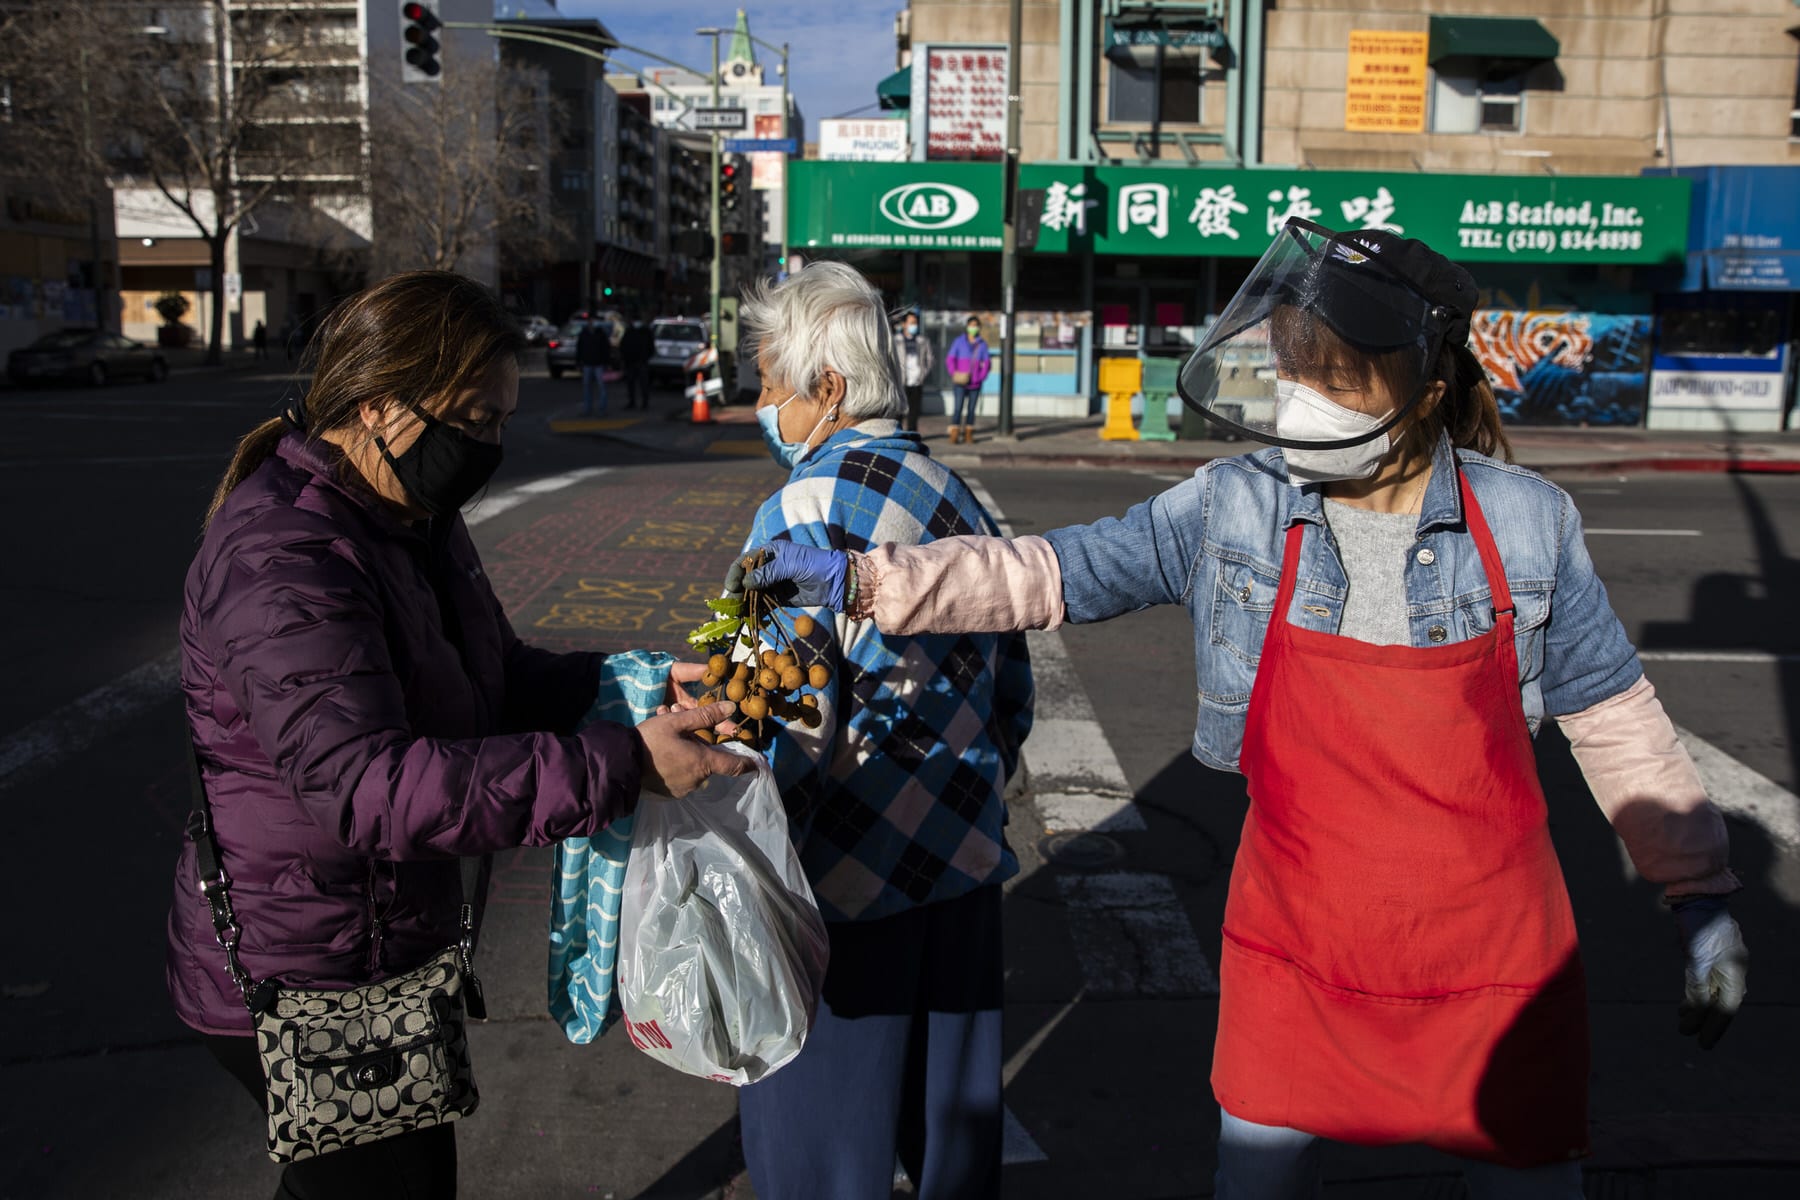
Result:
1620,176
288,262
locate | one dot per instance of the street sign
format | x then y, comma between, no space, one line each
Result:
762,145
718,118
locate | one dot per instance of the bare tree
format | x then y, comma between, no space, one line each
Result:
181,95
61,94
460,166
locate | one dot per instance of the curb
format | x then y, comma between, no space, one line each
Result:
1079,459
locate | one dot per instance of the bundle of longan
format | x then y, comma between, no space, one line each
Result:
765,682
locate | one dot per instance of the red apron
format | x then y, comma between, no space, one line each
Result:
1399,961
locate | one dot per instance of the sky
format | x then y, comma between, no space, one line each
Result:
838,50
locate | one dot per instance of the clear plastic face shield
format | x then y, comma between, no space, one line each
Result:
1319,319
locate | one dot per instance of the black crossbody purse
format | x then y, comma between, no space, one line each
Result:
347,1067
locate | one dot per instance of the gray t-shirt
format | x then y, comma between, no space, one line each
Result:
1374,547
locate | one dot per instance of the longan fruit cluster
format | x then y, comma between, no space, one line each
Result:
765,682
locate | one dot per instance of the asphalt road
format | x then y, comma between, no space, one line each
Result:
1109,1015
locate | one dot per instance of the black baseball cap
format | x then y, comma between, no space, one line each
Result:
1404,261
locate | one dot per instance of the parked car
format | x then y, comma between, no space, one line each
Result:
537,330
559,347
677,340
91,356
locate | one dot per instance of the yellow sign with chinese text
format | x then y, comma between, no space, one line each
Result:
1385,90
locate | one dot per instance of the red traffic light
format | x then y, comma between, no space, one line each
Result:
414,12
729,170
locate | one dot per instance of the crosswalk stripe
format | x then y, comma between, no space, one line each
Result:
1076,778
1133,936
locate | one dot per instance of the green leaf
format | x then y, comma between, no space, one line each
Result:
728,606
714,631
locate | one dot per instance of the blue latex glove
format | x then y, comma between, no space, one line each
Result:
796,575
1716,965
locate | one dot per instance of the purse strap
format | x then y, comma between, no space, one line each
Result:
215,885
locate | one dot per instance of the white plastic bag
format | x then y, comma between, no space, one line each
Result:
722,950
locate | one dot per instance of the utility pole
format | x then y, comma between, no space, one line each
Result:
1009,242
716,239
787,131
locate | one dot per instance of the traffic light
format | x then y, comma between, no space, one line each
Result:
728,186
733,244
418,29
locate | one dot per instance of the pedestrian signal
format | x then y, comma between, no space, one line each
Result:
418,30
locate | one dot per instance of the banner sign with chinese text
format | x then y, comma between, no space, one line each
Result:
1385,88
862,140
1204,211
964,105
1471,218
895,206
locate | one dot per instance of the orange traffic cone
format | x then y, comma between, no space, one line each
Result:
702,414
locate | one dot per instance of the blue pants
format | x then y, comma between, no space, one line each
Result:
903,1061
967,398
593,379
1268,1162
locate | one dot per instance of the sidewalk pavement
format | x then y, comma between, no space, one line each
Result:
1076,442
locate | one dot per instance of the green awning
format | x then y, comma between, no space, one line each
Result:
1515,39
896,90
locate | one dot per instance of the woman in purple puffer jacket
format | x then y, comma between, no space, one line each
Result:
362,712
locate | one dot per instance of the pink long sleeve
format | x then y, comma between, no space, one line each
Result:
1648,788
962,585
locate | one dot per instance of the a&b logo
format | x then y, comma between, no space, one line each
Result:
929,206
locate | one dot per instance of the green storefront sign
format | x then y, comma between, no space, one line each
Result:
894,206
1205,211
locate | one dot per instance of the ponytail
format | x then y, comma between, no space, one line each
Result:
1473,414
255,448
1468,412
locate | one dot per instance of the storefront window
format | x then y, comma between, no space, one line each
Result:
1716,332
1471,103
1154,84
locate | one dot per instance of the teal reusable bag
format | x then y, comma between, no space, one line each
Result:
590,871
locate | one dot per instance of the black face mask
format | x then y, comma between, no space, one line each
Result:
444,467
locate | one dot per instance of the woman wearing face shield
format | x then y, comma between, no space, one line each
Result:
1385,609
362,714
894,797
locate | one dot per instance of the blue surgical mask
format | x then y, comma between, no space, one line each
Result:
787,454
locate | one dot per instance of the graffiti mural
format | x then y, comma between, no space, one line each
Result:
1565,368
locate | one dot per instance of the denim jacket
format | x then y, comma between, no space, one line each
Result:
1214,544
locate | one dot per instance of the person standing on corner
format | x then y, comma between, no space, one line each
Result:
1385,611
968,364
912,350
360,711
895,795
594,354
636,348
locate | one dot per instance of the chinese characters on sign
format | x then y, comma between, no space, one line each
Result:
1385,89
1145,205
1213,209
1066,207
965,103
1225,211
873,140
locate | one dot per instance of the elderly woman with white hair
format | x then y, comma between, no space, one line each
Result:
895,799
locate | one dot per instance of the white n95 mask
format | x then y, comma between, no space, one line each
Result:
1303,414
